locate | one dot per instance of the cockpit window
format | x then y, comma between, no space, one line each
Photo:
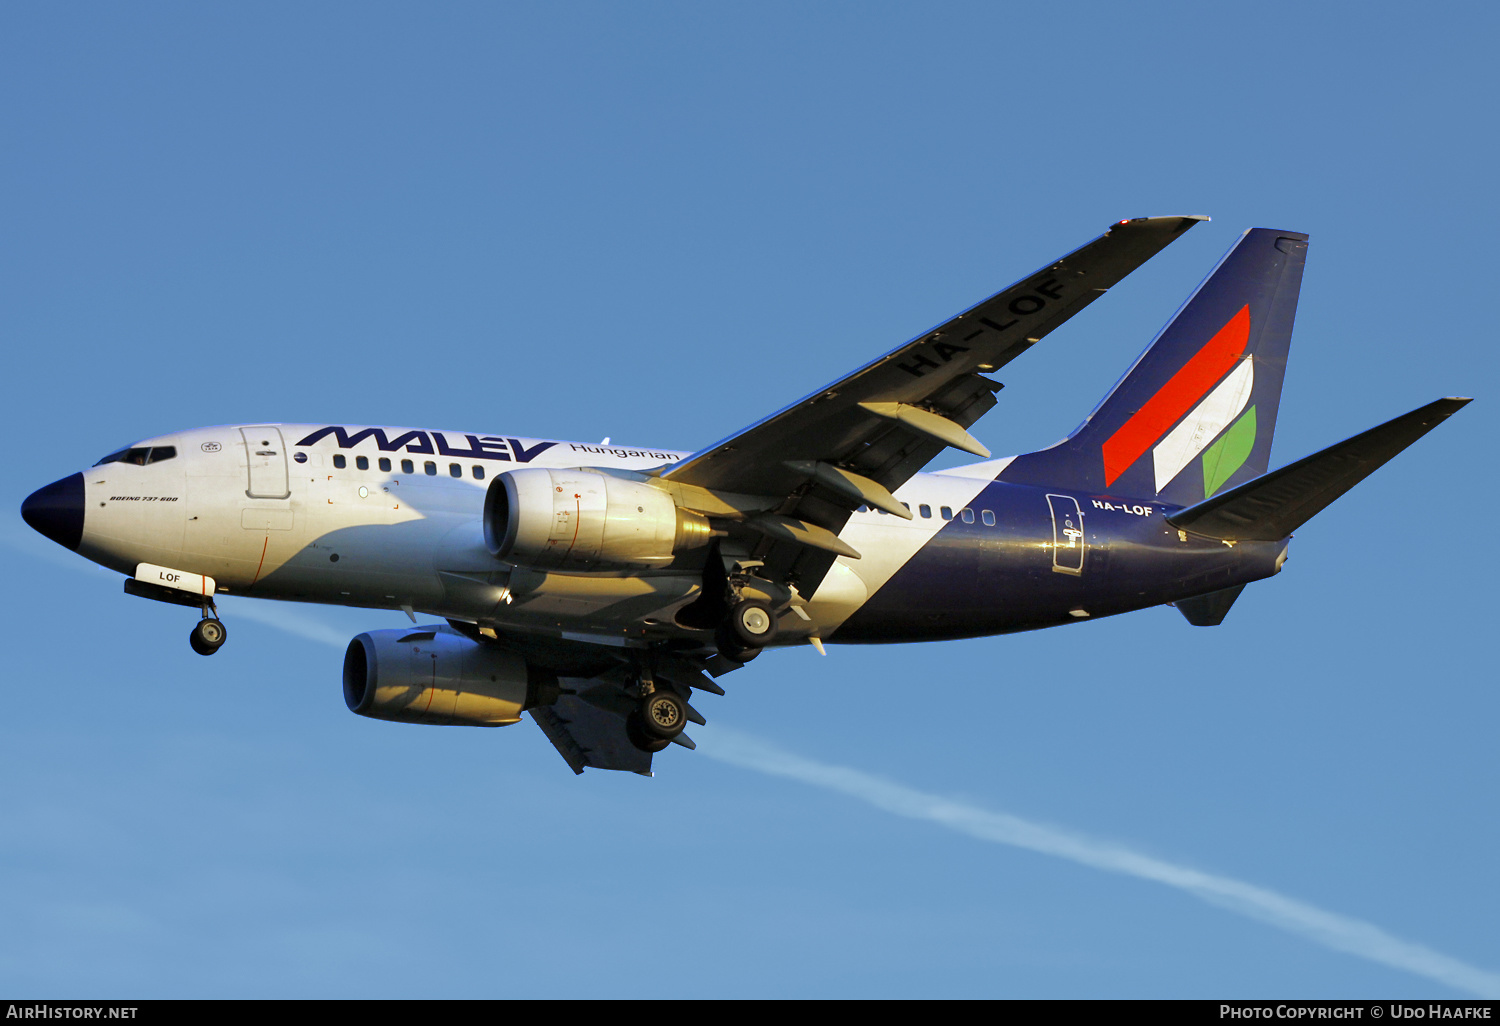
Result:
135,456
140,455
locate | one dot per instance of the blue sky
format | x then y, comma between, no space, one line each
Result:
659,222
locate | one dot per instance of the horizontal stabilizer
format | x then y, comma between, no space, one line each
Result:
1274,505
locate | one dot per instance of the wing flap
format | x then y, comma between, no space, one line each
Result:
586,721
555,729
586,735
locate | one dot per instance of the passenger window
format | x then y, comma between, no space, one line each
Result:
429,468
454,470
362,462
339,461
966,515
478,473
947,512
407,467
162,452
863,509
925,510
908,506
988,518
385,464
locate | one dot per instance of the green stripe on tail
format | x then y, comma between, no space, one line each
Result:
1228,453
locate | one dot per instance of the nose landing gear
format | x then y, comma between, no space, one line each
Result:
206,638
209,635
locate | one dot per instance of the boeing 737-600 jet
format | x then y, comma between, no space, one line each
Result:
595,586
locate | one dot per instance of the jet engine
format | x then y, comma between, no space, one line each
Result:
582,520
433,675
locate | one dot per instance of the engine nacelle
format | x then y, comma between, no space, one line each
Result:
433,675
586,521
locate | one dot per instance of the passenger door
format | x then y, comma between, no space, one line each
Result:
267,462
1067,534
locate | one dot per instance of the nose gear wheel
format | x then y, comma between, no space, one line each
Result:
208,636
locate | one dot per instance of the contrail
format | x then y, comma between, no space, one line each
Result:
35,546
272,614
283,618
1342,933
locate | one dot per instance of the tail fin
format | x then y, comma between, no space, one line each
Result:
1272,507
1196,412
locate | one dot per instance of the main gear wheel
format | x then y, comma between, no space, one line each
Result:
663,714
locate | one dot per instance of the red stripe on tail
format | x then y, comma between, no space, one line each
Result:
1190,384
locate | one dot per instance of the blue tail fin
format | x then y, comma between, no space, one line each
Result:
1196,412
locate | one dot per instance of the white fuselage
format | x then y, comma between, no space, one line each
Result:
354,518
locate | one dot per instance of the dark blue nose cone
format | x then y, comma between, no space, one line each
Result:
57,511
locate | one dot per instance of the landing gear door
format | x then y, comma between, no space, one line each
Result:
1067,534
267,460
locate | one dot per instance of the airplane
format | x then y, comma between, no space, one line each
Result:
596,587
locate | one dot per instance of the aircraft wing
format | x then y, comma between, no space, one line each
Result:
586,736
889,418
860,438
586,722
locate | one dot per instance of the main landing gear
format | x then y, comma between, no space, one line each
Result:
740,608
209,635
657,720
749,627
659,716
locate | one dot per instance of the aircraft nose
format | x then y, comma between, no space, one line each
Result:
57,511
